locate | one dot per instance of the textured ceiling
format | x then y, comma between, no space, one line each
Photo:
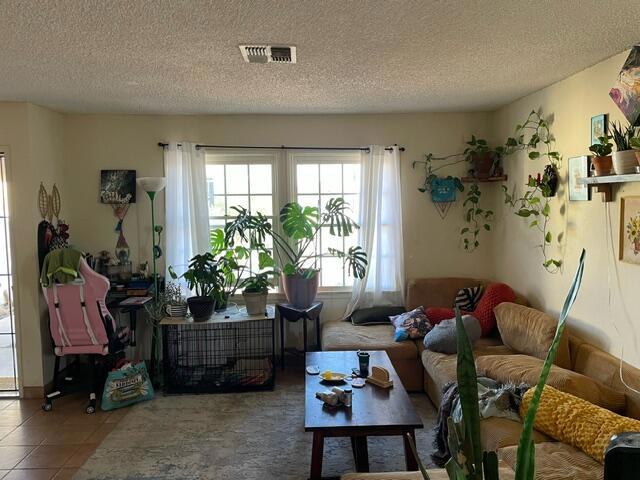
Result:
145,56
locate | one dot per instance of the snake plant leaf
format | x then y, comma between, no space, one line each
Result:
525,461
423,471
490,464
468,390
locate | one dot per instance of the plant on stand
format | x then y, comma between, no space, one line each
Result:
295,247
175,301
624,158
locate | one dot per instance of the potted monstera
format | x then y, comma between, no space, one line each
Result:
294,248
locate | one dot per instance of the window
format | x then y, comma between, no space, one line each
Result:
240,179
261,182
319,177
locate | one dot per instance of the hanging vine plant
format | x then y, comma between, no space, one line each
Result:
533,136
533,205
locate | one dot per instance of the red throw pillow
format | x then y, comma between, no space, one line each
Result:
494,294
438,314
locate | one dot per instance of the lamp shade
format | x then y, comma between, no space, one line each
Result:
152,184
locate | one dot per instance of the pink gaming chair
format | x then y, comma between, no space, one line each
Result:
80,323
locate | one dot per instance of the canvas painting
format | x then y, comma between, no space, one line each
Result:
598,127
579,168
626,92
630,230
118,186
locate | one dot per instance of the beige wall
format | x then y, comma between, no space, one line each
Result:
33,138
572,102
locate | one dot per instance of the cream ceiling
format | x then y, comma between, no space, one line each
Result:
146,56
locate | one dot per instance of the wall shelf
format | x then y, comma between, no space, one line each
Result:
501,178
604,183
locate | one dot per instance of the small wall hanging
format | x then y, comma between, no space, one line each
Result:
599,127
630,230
626,92
50,235
578,168
443,193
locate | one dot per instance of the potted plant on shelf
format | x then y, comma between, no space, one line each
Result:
481,157
256,289
295,246
205,277
175,302
635,144
602,162
624,159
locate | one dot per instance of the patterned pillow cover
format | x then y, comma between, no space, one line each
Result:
410,325
467,298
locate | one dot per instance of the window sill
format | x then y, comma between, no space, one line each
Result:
279,297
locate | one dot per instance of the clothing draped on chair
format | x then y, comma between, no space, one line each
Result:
187,214
380,231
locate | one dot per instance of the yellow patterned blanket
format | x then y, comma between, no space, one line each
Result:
577,422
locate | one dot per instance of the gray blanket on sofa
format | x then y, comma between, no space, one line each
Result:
494,400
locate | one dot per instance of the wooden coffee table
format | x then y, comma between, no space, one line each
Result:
375,412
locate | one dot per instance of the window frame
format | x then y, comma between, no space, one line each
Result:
313,157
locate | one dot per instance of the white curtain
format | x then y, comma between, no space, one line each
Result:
187,215
380,231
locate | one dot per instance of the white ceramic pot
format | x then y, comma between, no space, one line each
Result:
624,162
256,302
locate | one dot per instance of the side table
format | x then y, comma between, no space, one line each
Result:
293,314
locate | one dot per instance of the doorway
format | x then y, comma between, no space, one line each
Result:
9,385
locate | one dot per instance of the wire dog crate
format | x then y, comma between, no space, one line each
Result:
229,352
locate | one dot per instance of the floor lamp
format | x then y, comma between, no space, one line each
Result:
153,185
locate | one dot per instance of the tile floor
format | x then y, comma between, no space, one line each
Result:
38,445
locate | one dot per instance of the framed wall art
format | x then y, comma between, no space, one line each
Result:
578,167
117,186
626,92
599,127
630,230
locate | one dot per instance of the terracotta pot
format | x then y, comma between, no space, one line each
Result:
482,165
300,291
256,302
624,162
637,152
201,308
602,165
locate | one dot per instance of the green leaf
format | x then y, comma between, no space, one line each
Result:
523,212
487,227
533,155
545,210
298,222
533,224
265,260
547,237
464,230
289,269
534,200
335,215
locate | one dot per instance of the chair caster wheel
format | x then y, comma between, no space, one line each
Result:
47,406
90,409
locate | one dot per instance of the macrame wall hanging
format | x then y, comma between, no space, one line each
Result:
51,234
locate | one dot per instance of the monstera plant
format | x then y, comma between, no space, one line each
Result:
295,247
468,461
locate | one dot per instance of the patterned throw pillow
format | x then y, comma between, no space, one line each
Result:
467,299
413,324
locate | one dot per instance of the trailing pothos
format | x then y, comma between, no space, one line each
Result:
477,218
534,205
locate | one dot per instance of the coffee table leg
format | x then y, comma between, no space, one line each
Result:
318,342
317,452
360,453
410,459
281,339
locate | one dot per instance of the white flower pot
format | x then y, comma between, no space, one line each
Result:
256,302
624,162
176,310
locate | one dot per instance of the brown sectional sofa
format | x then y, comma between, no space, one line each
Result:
420,369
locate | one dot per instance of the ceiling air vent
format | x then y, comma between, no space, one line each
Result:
268,54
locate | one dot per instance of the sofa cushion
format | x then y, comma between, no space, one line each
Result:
411,325
531,332
557,461
498,432
375,315
526,369
345,336
443,337
577,422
